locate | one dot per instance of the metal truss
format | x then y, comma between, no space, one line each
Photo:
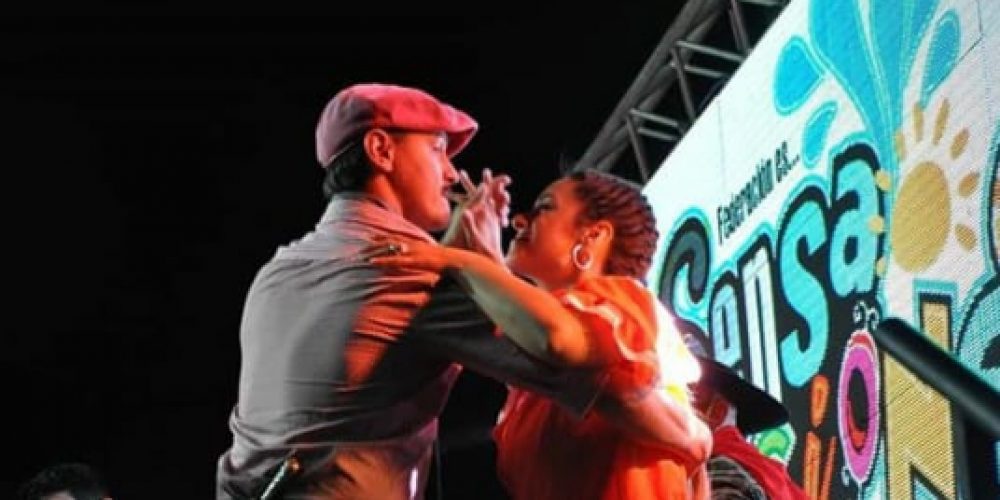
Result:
694,58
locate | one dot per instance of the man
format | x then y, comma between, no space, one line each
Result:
345,367
734,408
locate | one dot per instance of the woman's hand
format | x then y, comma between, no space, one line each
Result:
409,254
480,214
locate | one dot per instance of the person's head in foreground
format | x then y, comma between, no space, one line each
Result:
724,398
69,481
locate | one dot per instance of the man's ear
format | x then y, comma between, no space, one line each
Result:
380,148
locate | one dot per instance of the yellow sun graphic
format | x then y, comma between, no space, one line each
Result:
921,215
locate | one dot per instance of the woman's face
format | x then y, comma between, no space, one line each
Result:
542,248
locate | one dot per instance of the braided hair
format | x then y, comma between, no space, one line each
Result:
620,202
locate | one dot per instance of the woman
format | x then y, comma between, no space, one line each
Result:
585,246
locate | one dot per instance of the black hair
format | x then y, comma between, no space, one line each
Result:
349,171
80,480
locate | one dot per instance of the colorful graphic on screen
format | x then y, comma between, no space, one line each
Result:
853,164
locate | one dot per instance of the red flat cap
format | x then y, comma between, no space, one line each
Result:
358,108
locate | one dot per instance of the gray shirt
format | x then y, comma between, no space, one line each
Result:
348,366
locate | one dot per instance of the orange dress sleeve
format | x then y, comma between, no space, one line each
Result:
628,323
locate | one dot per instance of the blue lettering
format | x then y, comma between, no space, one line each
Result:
854,248
724,325
804,294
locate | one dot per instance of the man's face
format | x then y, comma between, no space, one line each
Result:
422,176
710,406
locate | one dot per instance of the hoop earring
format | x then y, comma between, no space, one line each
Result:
579,262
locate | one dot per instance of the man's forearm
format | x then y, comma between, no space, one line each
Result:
654,420
452,326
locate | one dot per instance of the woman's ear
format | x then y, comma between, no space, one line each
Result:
601,231
380,149
598,238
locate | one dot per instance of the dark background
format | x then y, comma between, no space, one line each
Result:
153,162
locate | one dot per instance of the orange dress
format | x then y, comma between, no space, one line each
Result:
544,452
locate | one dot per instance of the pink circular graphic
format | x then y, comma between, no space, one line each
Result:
859,356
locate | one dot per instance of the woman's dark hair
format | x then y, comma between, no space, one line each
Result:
349,171
621,202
